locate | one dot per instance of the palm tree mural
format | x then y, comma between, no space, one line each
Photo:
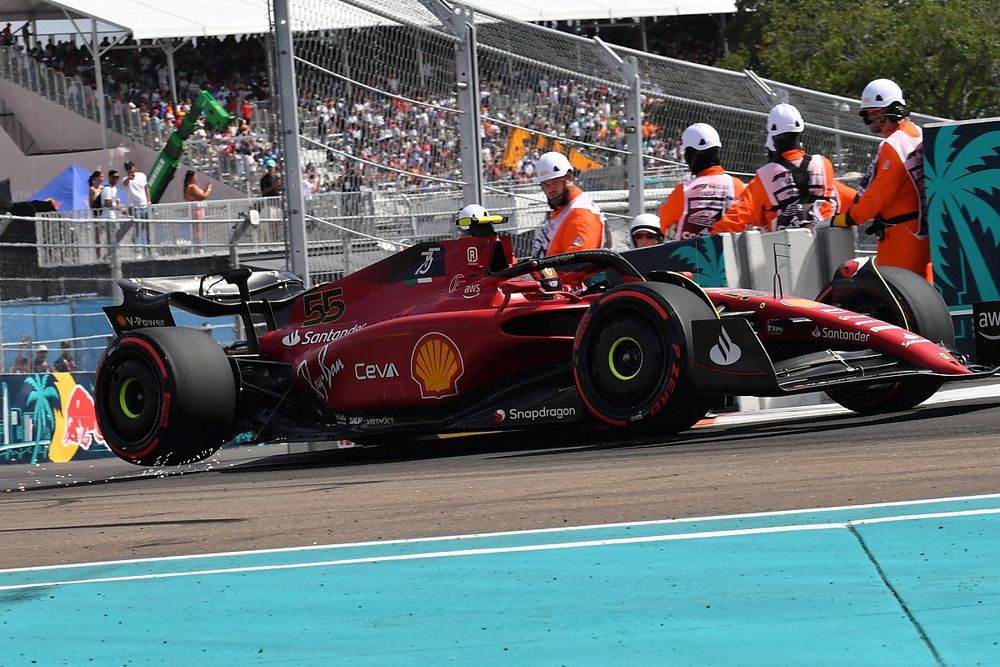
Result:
42,415
702,257
963,206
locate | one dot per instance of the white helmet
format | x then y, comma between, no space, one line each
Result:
700,136
784,118
880,93
471,213
552,165
645,222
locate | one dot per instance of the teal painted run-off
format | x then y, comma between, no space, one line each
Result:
896,584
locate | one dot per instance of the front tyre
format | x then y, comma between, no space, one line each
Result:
905,299
165,396
632,358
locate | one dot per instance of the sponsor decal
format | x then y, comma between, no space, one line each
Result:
436,365
472,255
323,307
314,337
918,341
321,380
832,311
848,318
802,303
988,325
459,285
81,420
532,414
363,371
364,422
137,322
883,327
774,329
837,334
673,374
428,256
725,352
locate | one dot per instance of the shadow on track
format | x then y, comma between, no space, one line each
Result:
525,444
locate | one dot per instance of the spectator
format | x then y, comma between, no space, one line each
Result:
196,194
139,198
41,364
575,221
111,205
270,182
65,363
21,361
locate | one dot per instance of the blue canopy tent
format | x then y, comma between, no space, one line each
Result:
69,188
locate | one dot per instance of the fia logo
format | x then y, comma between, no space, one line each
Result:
725,352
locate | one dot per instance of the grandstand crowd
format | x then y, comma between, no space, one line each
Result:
415,137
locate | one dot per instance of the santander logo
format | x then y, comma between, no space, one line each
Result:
292,339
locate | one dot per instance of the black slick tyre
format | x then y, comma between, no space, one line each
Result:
632,358
165,396
912,303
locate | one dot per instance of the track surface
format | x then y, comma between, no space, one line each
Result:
247,502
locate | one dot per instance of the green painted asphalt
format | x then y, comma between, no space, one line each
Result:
896,584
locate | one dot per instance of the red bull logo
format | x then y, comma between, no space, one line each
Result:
81,420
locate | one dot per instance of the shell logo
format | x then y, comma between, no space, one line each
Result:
436,366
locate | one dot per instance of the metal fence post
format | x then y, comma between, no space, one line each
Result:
294,204
459,21
628,68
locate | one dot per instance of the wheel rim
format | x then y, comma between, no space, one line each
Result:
625,358
133,402
629,358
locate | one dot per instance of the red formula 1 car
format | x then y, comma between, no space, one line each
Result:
454,336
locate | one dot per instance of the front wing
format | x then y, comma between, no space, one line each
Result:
729,358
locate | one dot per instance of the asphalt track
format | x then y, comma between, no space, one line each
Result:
694,552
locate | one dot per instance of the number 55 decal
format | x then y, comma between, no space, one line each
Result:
323,307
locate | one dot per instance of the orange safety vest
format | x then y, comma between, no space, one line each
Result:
698,203
894,192
579,225
773,189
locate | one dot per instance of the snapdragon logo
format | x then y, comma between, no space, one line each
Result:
837,334
536,413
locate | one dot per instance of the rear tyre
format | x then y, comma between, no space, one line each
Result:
632,358
165,396
925,313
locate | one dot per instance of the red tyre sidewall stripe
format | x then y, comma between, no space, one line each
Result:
164,407
586,321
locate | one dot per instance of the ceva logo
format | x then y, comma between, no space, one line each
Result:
725,352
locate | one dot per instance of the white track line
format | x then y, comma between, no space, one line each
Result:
515,549
509,533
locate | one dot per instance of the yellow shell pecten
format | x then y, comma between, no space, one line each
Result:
436,366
